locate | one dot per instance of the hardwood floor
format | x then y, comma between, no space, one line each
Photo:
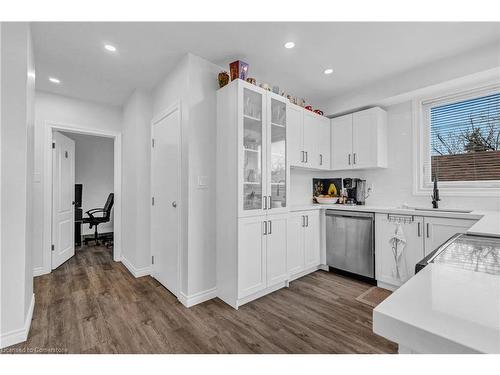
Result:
91,304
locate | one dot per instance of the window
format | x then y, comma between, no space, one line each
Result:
458,142
465,139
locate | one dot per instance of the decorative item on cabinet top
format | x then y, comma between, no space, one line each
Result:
223,79
238,69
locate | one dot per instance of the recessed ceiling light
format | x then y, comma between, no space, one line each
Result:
54,80
328,71
110,48
289,45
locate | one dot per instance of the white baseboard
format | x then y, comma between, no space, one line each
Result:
39,271
18,335
136,272
197,298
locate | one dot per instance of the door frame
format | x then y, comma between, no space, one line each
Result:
49,128
175,106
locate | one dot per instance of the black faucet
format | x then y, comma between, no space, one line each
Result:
435,194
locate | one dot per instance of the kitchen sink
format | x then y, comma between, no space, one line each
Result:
441,210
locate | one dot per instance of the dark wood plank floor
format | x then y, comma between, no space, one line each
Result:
91,304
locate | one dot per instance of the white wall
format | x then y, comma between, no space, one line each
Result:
194,82
16,171
392,186
477,60
136,180
68,112
94,158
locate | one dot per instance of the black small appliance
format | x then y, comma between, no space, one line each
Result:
355,190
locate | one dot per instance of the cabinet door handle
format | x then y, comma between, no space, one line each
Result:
269,205
349,159
264,203
307,220
265,228
307,156
354,156
427,230
270,227
320,159
303,221
302,156
418,230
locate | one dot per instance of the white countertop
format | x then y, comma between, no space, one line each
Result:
443,310
488,223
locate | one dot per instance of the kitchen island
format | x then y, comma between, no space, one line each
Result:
443,309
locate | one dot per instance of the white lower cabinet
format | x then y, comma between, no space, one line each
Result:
311,239
251,255
423,235
262,246
295,249
303,250
438,230
276,248
385,265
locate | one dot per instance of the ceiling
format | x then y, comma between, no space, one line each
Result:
359,53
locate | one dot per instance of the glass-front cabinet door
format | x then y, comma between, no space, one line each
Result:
277,170
253,153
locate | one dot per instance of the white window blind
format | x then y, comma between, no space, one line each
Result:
464,139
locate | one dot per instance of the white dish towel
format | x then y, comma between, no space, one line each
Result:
398,244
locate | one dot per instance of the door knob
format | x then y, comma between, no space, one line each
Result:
174,204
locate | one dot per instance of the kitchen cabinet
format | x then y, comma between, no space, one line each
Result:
312,239
423,235
359,140
252,156
295,139
438,230
276,245
317,140
252,255
303,250
262,253
308,138
342,142
252,192
385,270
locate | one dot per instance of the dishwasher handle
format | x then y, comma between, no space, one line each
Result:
354,214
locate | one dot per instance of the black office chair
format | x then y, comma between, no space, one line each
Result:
94,220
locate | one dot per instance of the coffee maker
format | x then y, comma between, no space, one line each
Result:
355,189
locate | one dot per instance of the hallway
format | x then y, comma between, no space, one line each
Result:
91,304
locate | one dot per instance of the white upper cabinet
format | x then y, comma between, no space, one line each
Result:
308,138
277,171
342,142
316,140
295,139
359,140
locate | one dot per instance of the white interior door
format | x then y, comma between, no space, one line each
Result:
165,175
63,198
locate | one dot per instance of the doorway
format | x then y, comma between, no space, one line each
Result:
61,167
82,194
166,200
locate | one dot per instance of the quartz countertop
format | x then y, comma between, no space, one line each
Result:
488,223
443,309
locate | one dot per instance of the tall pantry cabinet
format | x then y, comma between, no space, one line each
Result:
252,192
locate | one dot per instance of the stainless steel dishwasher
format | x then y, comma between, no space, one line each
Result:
350,243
